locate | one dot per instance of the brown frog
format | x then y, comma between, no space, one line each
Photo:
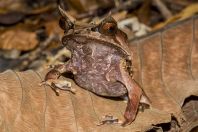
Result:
100,62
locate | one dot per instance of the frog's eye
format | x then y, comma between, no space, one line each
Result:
108,28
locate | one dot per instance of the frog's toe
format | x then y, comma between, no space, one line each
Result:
57,84
109,119
42,83
64,85
47,82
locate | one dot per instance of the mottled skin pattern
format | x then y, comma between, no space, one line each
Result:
101,63
96,63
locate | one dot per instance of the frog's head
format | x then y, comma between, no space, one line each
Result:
106,32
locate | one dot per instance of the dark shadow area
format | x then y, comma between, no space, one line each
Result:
188,99
195,129
190,110
172,126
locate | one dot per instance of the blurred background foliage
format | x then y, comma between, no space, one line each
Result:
30,35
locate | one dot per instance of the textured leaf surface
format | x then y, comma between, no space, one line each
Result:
11,39
165,65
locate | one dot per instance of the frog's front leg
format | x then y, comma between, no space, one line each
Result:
135,94
52,78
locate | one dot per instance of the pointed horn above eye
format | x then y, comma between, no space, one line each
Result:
66,15
109,19
110,13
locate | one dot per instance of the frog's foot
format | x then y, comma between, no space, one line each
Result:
57,84
63,85
50,83
52,79
109,119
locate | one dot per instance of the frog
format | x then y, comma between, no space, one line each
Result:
101,62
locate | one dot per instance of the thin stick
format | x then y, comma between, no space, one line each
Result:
163,9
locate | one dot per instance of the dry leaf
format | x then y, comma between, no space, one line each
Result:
8,5
32,107
11,18
53,27
118,16
186,13
167,64
18,39
86,5
132,27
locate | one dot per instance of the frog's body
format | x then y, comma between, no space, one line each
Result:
101,63
96,65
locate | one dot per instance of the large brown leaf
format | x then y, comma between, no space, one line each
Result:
165,65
